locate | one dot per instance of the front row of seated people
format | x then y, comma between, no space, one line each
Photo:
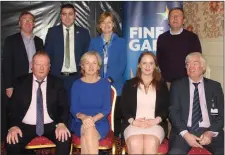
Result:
195,106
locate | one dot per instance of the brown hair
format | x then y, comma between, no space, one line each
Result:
26,13
102,17
41,53
156,74
176,8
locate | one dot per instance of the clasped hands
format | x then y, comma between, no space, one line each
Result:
194,141
146,123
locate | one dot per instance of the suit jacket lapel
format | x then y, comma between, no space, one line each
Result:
186,99
49,91
28,87
208,95
60,43
22,47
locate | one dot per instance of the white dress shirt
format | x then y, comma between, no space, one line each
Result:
30,117
73,67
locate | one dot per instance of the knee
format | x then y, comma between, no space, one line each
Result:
90,133
134,142
173,151
14,148
151,141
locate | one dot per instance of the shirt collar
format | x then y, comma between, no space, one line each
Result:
25,37
35,79
71,27
113,35
176,33
191,81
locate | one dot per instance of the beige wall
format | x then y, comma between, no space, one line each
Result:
206,19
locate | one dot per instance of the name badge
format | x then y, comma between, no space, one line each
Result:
214,111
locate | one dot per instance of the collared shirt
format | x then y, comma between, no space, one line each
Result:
73,67
30,117
176,33
205,116
30,48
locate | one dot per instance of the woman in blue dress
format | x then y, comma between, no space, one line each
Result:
90,104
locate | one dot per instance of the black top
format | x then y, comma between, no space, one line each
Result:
171,53
129,103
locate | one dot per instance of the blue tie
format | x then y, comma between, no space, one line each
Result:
196,110
39,112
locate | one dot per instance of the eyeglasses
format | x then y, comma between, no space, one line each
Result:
27,20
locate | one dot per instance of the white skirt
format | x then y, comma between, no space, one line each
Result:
155,130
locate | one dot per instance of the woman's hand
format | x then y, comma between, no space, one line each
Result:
88,121
140,122
152,122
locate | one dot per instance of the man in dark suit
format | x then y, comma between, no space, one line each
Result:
39,107
17,55
19,50
196,111
65,44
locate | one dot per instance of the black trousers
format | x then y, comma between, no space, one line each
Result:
178,145
29,132
117,118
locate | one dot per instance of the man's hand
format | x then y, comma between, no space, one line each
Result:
192,140
206,138
61,132
9,92
12,136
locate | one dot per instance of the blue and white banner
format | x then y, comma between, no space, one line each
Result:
142,23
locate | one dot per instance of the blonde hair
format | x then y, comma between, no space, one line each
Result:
90,53
202,59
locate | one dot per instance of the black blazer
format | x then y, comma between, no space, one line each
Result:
57,100
129,103
180,103
15,60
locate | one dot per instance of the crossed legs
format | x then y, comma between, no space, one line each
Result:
89,140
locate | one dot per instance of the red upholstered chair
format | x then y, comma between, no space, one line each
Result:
163,148
196,151
42,143
108,142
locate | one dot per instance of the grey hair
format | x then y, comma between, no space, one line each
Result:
202,59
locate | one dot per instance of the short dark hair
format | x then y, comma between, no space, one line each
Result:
67,6
26,13
176,8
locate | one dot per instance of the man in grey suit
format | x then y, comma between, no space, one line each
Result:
196,111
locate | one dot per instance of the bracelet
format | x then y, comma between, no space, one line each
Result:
78,114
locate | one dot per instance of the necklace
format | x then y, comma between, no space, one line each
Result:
146,87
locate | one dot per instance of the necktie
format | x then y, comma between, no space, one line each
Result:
67,59
39,112
196,110
105,51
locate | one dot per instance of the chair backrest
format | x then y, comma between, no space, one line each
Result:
111,115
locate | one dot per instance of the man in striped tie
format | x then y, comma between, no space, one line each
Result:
196,111
39,108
